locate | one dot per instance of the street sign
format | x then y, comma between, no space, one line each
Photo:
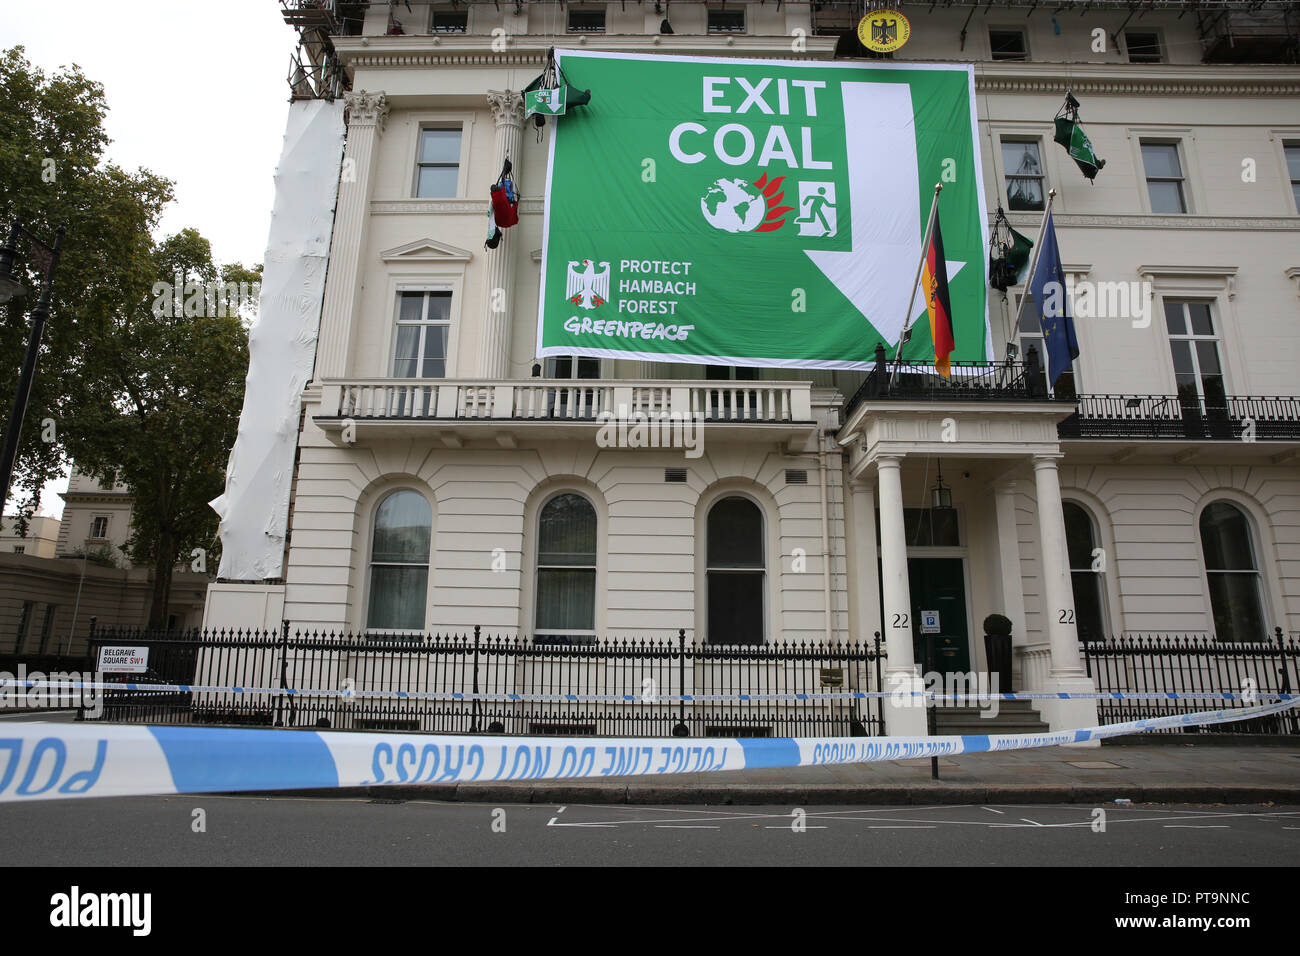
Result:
929,622
758,212
115,659
547,102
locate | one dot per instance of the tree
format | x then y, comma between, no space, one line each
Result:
160,404
52,171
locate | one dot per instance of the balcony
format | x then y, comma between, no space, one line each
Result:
1007,381
459,411
1240,418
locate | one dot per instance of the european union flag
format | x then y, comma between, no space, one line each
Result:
1048,289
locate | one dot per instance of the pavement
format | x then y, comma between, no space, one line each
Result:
1211,772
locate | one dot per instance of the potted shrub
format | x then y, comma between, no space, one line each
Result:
997,649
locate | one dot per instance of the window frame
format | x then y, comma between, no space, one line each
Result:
444,8
1291,144
712,9
94,521
1159,56
1075,379
443,126
762,570
565,638
1191,338
1257,555
1013,139
423,324
381,633
1184,187
1100,583
586,9
1024,37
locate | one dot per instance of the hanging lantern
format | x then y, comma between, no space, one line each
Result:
941,495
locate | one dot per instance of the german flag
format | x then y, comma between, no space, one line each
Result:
934,280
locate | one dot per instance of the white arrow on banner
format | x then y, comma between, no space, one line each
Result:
876,275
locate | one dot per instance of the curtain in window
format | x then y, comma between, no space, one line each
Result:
1233,574
566,566
399,563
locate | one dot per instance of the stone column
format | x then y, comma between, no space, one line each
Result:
904,714
499,263
864,590
366,115
1067,673
1009,571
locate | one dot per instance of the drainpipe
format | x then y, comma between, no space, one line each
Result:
826,535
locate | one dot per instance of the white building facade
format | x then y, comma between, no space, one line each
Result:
446,477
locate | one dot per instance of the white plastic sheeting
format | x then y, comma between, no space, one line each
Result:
282,344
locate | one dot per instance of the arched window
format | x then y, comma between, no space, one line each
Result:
399,563
735,569
1089,585
566,571
1236,600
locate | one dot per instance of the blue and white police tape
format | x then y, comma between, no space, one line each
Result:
46,761
11,688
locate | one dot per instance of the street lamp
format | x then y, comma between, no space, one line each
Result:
10,287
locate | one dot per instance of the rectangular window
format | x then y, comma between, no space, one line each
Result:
565,366
447,19
723,20
1292,151
99,527
1008,45
1023,165
47,628
24,625
1143,47
423,329
438,165
1194,345
1030,334
19,549
586,21
1164,175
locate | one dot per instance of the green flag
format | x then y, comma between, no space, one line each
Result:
548,102
1070,134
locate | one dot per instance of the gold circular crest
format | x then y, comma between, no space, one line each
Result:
884,31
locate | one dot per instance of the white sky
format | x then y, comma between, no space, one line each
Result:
196,92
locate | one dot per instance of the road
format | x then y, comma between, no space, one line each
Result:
163,831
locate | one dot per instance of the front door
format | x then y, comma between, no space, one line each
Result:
938,587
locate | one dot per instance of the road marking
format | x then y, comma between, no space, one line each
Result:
1030,822
696,826
1193,826
791,827
991,810
901,828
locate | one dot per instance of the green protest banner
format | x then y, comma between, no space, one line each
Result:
758,212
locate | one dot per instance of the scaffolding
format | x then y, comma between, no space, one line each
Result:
1231,31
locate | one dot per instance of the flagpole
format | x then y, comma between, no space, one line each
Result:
916,281
1033,262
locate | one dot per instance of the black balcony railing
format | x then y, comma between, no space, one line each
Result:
1007,381
1234,418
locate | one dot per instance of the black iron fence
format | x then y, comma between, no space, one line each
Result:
1194,663
648,676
